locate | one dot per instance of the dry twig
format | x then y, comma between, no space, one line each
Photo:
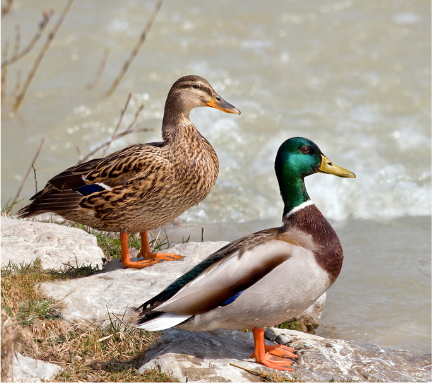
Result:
38,60
3,84
6,8
46,16
5,49
131,125
82,159
80,156
118,124
17,38
10,338
18,83
36,181
100,69
136,48
28,172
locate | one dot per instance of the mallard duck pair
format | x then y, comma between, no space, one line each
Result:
260,280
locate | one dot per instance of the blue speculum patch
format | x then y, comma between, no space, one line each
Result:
232,299
89,189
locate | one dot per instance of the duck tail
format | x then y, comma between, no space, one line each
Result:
160,321
51,201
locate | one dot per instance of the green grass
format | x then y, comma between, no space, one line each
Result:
8,207
288,326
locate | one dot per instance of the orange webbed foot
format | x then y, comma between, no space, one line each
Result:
158,256
149,258
268,354
269,361
127,263
147,255
280,351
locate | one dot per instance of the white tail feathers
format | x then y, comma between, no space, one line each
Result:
162,322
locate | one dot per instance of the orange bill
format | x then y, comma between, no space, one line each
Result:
219,103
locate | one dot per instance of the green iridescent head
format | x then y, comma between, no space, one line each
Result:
296,159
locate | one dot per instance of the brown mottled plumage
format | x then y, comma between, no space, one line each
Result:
142,186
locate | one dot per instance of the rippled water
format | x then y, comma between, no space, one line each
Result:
353,76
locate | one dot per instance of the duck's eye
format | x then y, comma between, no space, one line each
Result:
305,149
195,86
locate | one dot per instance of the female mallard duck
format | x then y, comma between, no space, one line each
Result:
143,186
265,278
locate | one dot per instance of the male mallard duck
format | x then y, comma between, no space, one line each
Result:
267,277
143,186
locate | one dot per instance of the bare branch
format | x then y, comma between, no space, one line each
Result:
136,48
118,124
41,55
80,156
17,38
36,181
100,69
120,135
46,16
5,50
28,171
131,125
3,84
6,8
18,83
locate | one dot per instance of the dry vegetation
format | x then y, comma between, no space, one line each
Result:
32,323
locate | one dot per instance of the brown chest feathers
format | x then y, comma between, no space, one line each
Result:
323,241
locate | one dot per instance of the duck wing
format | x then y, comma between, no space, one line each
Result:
219,279
65,191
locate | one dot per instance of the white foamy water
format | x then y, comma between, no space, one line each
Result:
353,76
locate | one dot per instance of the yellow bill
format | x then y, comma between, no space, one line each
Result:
328,167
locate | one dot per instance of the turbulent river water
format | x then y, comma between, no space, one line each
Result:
353,76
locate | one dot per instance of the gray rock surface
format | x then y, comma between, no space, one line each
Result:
321,359
207,357
58,247
27,369
203,356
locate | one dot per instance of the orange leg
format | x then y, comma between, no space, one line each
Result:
149,258
264,354
147,255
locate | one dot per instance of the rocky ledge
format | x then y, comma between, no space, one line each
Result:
223,356
58,247
194,356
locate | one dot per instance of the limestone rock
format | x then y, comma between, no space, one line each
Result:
27,369
58,247
207,357
195,356
321,359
